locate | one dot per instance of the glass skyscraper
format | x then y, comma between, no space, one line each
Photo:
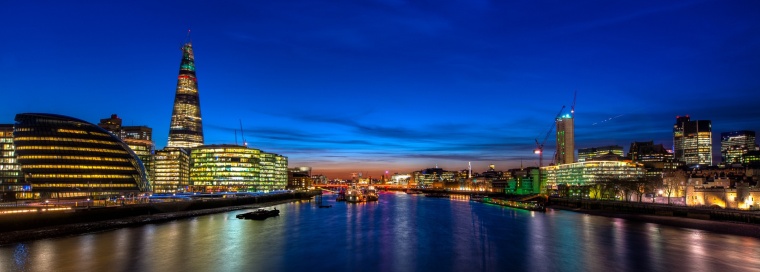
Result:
692,141
186,129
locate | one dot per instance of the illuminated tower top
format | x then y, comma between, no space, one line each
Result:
186,128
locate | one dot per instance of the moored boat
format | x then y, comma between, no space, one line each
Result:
259,214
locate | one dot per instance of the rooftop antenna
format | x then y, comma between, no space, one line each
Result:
187,38
241,133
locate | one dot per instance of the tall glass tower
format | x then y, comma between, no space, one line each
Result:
565,140
186,129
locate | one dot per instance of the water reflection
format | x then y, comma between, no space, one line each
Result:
398,233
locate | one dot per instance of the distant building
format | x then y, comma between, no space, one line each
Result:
171,170
186,129
565,139
585,154
426,177
655,158
319,179
523,181
733,146
138,138
692,141
299,178
64,157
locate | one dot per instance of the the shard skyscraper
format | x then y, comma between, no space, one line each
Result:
186,129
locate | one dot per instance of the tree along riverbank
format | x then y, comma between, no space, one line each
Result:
24,227
744,223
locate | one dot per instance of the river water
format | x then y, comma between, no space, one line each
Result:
400,232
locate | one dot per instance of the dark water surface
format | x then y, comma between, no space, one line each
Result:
398,233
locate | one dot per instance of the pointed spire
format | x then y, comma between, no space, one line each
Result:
186,128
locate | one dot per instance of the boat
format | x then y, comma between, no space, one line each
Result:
371,194
259,214
524,205
354,195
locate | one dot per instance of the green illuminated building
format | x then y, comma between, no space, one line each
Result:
590,172
234,168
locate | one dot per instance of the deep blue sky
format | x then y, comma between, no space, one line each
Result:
348,86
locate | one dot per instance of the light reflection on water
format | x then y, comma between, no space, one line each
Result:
398,233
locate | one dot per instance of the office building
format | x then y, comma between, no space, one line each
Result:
590,172
586,154
138,138
64,157
692,141
11,181
565,139
171,171
225,168
186,128
734,145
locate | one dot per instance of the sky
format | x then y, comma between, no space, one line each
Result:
391,85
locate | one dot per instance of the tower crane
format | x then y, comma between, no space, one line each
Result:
540,146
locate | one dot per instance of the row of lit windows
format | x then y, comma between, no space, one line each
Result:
81,158
59,139
73,131
93,185
100,150
81,176
93,167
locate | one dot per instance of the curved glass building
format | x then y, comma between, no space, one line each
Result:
64,157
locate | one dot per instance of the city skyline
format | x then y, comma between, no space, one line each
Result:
388,85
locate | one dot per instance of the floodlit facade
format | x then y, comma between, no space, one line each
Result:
588,173
64,157
186,128
171,171
733,146
565,139
692,141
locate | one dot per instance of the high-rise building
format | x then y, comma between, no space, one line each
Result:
171,170
692,141
733,145
138,138
186,129
586,154
10,171
64,157
565,139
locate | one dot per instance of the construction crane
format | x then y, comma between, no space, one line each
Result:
540,146
572,108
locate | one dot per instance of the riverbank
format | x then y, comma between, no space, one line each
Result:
96,226
722,227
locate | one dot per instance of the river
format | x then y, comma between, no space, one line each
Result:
400,232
